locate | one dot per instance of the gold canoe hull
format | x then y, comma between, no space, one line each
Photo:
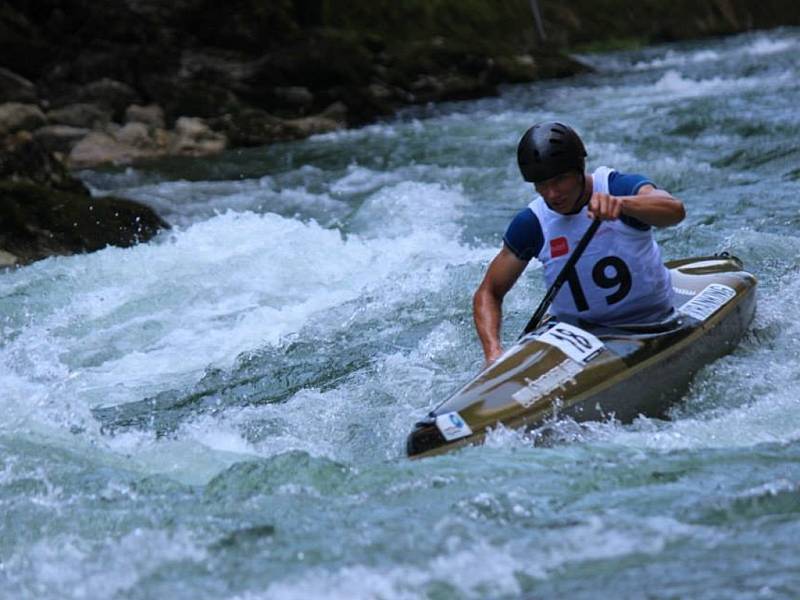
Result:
636,370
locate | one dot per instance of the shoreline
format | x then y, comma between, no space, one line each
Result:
126,81
136,83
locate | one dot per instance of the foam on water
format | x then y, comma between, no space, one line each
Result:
485,569
762,46
673,59
124,324
69,565
185,202
759,45
274,350
676,85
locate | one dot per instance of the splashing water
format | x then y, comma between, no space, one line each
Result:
222,412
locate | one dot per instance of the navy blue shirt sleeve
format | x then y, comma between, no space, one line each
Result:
628,184
524,235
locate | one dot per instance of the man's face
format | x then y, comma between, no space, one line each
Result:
561,192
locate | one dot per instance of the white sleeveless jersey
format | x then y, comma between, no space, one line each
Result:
619,279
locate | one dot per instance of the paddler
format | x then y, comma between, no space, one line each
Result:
620,278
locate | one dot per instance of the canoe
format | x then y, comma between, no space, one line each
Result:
588,372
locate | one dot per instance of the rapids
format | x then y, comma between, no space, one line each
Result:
222,412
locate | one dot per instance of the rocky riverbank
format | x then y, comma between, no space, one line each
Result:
44,211
123,80
85,84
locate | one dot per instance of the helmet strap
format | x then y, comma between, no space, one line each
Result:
580,202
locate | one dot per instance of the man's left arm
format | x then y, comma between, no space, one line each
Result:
651,206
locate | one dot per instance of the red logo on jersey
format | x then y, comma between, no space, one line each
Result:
558,247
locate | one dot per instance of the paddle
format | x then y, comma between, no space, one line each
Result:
562,277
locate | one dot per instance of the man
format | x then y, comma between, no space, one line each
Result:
620,278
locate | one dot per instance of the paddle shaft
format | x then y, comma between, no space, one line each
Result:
562,277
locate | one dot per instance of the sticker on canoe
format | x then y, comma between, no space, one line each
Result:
452,426
555,378
683,291
707,302
581,346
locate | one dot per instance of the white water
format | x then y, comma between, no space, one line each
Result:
360,262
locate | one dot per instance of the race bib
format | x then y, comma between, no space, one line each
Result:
581,346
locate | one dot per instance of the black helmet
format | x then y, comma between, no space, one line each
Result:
549,149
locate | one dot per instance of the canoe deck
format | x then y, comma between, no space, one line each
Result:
589,372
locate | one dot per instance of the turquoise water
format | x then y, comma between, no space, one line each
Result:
221,413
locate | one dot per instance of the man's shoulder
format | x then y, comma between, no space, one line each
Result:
627,184
524,236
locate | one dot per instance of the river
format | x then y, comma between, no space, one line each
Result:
222,412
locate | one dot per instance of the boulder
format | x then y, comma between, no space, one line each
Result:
136,141
15,88
100,147
37,222
450,86
194,137
135,135
379,92
59,138
45,211
110,94
306,126
336,111
193,97
252,127
255,127
517,68
7,259
15,116
88,116
293,96
151,115
22,158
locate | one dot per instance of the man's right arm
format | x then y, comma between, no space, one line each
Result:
487,302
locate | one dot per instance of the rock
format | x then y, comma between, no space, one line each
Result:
336,111
26,160
252,127
125,144
360,106
294,96
7,259
135,141
518,68
15,116
100,147
135,135
306,126
195,138
110,94
89,116
379,91
198,98
37,222
151,115
451,86
15,88
45,211
59,138
427,84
